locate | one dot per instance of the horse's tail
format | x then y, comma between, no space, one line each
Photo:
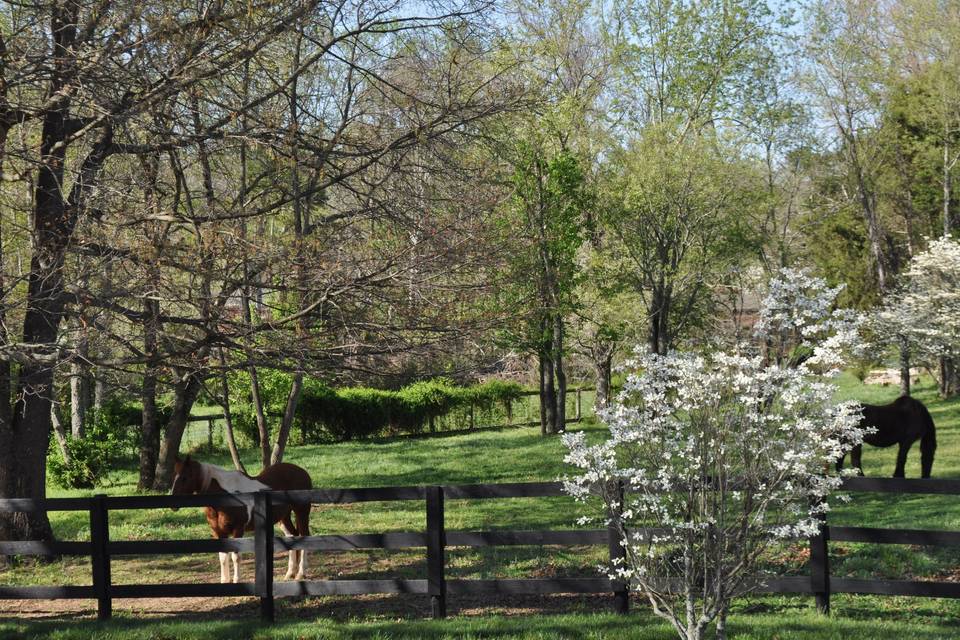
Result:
928,442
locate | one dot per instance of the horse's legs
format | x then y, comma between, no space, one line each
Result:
856,455
235,557
224,569
236,565
288,530
303,529
902,459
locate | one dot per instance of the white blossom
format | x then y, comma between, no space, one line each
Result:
722,454
925,308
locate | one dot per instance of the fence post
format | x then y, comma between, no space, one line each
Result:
263,553
820,567
210,434
473,424
621,590
100,555
436,541
579,404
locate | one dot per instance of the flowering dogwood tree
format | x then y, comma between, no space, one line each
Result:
719,456
925,308
799,324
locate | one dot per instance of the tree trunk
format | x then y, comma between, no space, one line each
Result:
44,311
904,367
659,319
947,189
60,432
560,413
263,429
289,413
185,394
149,428
868,208
548,394
149,431
99,393
79,386
602,366
227,414
722,624
30,425
947,377
7,468
53,222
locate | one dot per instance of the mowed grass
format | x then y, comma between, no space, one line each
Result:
789,619
522,454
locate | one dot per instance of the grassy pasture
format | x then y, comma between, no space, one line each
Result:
521,454
786,619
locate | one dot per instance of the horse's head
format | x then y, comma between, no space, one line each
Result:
188,478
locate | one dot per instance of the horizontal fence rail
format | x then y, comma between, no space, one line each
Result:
434,540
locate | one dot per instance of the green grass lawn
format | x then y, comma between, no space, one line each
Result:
522,454
787,619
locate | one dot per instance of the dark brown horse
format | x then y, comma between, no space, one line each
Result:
199,477
902,422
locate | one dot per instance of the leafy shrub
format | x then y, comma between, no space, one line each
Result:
110,439
492,392
425,401
325,414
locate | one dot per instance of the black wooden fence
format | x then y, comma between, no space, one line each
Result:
435,539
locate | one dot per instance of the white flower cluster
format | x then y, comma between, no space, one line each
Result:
798,313
925,309
713,457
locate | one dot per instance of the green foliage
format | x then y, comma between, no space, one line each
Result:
109,439
681,218
326,414
839,248
545,225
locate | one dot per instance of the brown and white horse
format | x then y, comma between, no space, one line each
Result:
199,477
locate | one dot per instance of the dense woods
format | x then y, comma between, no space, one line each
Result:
199,197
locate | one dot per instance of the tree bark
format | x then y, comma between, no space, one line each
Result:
60,432
548,394
947,187
560,412
150,432
904,367
602,368
150,429
289,413
7,468
227,414
185,394
99,393
79,386
947,377
52,228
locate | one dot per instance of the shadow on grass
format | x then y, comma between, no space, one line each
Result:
573,617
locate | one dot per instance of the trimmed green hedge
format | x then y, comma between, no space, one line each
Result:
326,414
